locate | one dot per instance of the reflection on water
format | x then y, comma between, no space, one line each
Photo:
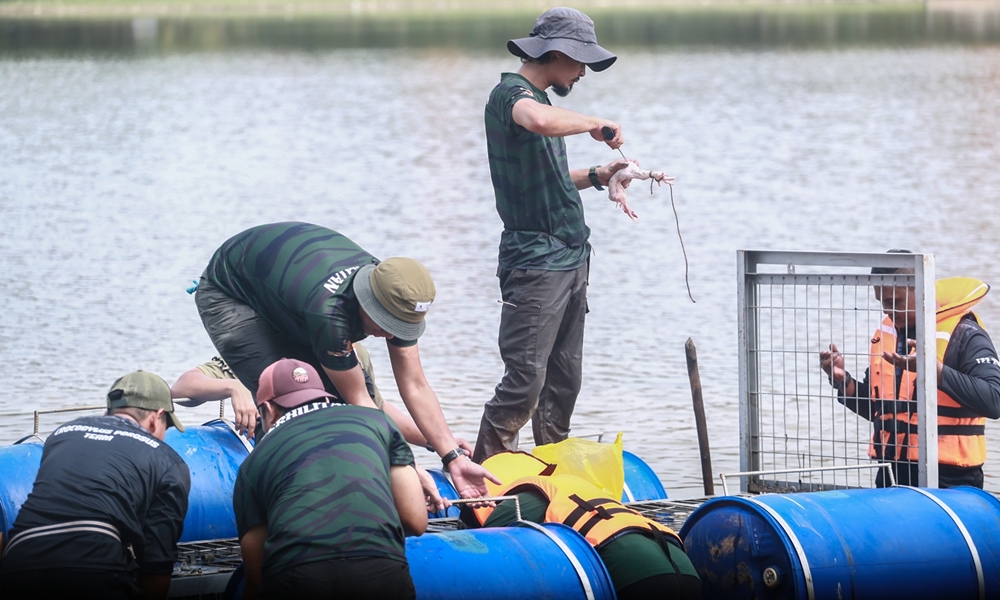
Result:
120,174
798,26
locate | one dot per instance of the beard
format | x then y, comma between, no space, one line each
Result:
562,91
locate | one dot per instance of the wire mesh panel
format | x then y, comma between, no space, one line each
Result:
793,305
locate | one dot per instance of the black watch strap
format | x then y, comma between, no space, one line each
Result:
594,181
452,455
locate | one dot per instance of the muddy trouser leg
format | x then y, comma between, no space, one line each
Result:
247,342
530,323
564,373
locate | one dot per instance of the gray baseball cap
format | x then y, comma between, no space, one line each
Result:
142,389
567,30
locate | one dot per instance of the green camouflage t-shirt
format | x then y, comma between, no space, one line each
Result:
320,482
298,277
541,209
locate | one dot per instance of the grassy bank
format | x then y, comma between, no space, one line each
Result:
75,9
177,25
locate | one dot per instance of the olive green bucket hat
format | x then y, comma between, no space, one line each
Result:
142,389
396,294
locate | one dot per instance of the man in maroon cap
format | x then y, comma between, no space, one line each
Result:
331,489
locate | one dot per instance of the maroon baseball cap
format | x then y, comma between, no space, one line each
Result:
290,383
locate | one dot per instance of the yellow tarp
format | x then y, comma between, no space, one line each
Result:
600,464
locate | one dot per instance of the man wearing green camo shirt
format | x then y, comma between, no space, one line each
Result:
544,250
330,491
302,291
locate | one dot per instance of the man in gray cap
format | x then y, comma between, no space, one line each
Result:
544,250
302,291
108,504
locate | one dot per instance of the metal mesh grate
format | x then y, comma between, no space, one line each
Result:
799,422
672,513
793,307
207,558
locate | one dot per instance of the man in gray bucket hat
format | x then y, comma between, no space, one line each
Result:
544,260
565,30
303,291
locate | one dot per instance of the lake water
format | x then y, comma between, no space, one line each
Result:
124,164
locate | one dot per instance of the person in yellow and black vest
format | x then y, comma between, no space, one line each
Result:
644,558
968,380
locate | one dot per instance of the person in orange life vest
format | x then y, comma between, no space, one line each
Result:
644,558
968,380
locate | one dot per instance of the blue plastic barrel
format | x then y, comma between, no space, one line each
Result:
507,563
527,562
447,490
213,453
18,468
897,542
641,483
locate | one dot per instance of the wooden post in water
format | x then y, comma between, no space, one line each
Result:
699,417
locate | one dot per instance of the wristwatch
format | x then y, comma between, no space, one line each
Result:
452,455
594,180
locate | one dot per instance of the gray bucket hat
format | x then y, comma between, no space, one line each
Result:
567,30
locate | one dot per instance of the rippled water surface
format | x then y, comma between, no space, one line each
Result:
121,173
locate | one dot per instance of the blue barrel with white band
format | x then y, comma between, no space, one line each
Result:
528,561
525,562
447,490
213,453
18,468
641,483
899,542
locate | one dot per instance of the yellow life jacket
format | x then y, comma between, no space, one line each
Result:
961,434
572,501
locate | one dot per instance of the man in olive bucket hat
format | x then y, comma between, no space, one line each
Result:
544,260
302,291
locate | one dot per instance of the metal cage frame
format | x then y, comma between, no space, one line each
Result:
807,272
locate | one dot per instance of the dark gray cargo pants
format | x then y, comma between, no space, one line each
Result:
541,343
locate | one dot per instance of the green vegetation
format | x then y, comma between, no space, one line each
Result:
211,25
408,9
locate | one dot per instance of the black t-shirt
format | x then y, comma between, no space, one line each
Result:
109,471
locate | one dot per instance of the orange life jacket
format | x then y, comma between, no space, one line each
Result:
961,434
573,502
